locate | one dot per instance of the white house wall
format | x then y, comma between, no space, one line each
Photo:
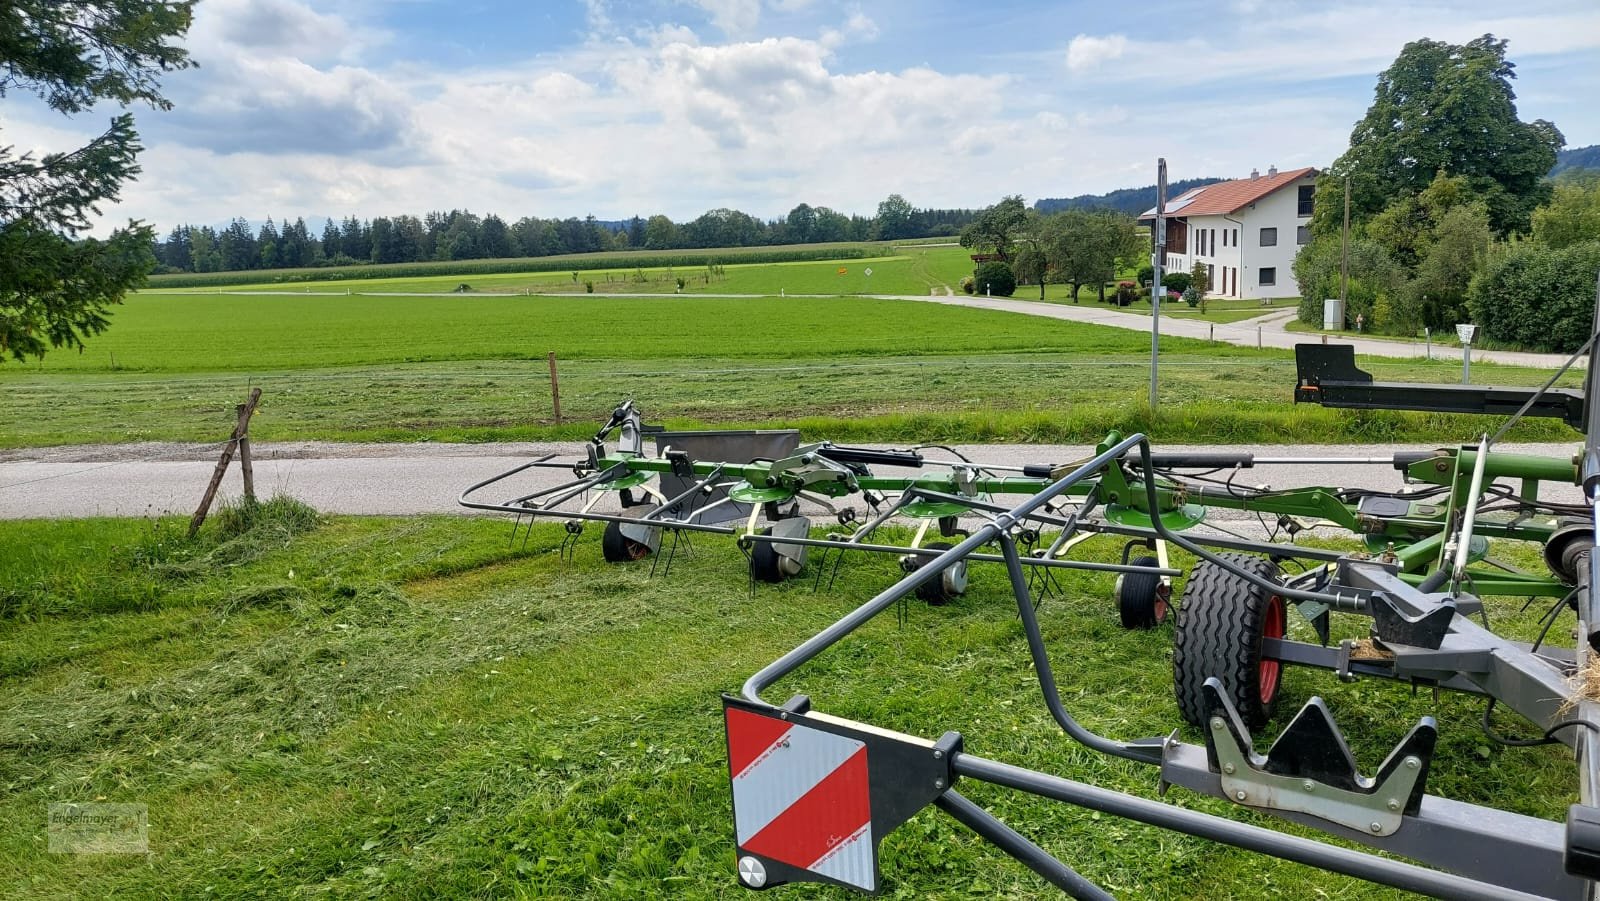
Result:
1279,210
1240,262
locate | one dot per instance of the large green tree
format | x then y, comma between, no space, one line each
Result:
55,286
998,227
1443,107
894,218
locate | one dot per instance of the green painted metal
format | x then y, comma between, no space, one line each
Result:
1178,519
746,493
631,480
933,509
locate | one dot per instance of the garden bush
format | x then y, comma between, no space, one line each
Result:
1176,281
1532,296
994,278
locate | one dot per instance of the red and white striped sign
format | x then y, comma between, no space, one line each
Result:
801,797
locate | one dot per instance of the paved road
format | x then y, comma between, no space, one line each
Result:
401,479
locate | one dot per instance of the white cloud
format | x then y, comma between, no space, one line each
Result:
734,17
298,117
1086,52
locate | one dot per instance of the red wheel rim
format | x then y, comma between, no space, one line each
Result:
1273,625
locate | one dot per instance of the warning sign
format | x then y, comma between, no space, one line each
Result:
813,795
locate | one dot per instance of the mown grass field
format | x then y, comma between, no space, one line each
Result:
898,269
473,368
372,707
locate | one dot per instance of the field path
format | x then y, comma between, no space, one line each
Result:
1265,331
404,479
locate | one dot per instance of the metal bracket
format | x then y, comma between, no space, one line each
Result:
1396,628
1322,781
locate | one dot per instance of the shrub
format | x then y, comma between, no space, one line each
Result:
1127,293
967,284
1535,297
994,278
1146,275
1376,289
1175,281
588,287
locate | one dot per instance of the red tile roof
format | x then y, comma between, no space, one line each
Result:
1229,196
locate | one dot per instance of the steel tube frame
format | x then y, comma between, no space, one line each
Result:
933,569
1242,835
1010,841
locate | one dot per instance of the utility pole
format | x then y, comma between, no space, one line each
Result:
1344,255
1159,233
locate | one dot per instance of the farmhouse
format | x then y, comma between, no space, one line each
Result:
1246,232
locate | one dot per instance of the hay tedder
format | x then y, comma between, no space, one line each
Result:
814,794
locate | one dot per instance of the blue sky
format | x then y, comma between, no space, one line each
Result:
621,107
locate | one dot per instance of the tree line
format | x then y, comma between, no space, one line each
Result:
463,235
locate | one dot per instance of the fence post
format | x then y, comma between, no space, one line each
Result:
240,427
246,469
555,388
1258,337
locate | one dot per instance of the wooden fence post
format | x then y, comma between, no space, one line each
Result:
245,467
240,430
555,388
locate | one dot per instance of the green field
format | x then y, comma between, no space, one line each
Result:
895,270
473,368
375,707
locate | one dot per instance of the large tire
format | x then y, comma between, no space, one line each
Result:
1142,597
951,584
1220,627
618,548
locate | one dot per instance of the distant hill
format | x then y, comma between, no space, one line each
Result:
1577,158
1132,201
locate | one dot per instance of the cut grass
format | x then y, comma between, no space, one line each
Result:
1036,397
473,368
415,708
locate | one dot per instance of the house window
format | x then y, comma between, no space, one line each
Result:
1269,237
1302,235
1269,275
1224,237
1214,242
1308,194
1211,277
1236,237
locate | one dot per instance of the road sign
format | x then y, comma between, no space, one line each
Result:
1466,332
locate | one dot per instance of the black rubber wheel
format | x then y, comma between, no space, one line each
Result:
1142,597
766,564
1220,627
951,584
619,548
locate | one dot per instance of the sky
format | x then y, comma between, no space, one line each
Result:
558,108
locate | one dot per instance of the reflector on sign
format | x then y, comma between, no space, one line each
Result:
813,795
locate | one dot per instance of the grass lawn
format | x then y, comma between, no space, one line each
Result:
374,707
898,269
473,368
